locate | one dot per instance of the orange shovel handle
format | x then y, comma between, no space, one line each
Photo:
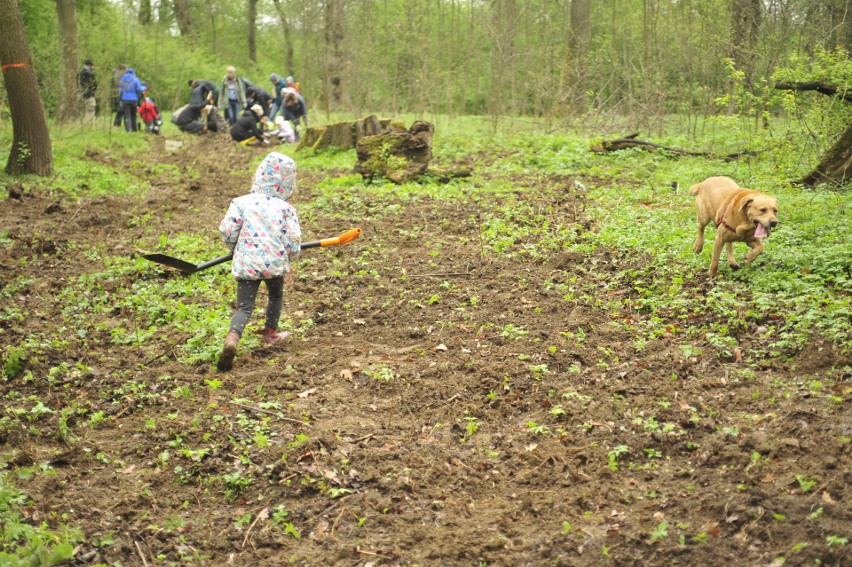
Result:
347,236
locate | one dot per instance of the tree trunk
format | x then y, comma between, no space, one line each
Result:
835,165
68,104
31,151
504,20
252,31
288,39
579,41
184,18
335,32
145,12
745,33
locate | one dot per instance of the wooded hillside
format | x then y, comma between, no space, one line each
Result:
504,58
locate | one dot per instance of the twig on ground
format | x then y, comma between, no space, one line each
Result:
141,555
262,515
272,413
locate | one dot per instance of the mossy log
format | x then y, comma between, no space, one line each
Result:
342,135
399,155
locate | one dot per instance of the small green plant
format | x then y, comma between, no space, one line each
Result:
472,425
660,532
804,483
836,541
615,454
512,332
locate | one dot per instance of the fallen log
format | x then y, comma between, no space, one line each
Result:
631,142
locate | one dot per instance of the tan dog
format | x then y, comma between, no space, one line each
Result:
740,215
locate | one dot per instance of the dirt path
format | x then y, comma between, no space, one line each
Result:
447,408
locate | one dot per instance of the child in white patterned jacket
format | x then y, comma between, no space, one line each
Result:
262,229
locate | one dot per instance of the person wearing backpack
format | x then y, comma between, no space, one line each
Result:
88,85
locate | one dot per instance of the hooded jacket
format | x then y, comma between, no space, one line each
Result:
129,87
262,228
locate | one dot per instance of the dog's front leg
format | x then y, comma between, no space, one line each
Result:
756,250
732,262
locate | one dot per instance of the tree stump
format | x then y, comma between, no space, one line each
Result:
341,135
398,154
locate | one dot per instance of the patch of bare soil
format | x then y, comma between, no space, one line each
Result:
461,410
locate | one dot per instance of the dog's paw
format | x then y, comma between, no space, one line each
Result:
698,248
734,265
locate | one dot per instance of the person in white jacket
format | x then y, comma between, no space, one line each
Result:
263,232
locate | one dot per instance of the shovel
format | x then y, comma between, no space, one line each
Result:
189,268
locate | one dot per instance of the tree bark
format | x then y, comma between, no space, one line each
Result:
252,31
746,16
579,41
288,39
835,165
145,12
814,86
335,32
68,105
31,151
184,18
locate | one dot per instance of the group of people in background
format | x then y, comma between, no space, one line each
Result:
248,112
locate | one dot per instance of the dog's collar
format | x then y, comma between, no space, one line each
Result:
722,222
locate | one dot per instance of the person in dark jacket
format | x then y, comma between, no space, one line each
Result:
211,87
295,109
193,118
278,86
130,91
88,84
246,128
257,95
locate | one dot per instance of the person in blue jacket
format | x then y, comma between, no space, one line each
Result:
129,91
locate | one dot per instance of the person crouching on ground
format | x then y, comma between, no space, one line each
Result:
263,232
246,129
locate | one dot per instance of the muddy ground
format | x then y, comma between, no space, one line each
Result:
445,409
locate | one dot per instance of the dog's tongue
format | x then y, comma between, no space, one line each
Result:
760,231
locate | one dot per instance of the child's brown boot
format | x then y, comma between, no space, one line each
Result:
273,335
229,351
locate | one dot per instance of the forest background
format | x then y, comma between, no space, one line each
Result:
555,59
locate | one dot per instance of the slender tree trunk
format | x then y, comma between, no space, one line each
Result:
31,151
504,18
288,38
184,18
579,41
145,12
335,33
252,31
68,105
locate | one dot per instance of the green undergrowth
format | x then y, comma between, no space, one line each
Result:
31,544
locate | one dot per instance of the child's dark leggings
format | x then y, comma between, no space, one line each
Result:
246,294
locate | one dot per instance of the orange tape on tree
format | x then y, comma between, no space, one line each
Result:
13,65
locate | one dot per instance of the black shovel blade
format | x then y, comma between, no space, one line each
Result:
175,263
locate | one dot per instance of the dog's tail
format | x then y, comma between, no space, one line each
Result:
694,189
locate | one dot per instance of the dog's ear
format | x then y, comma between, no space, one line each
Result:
746,203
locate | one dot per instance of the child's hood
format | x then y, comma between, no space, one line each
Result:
275,176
